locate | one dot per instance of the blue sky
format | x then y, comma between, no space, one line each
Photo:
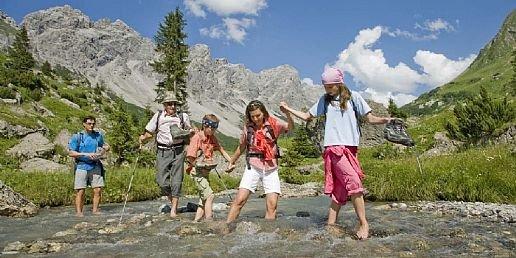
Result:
396,49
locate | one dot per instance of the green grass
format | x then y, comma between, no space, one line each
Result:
485,175
56,188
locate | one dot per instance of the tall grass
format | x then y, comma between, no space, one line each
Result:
484,175
56,188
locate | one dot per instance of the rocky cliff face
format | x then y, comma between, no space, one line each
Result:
7,30
113,54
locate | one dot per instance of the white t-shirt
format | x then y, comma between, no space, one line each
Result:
163,135
341,126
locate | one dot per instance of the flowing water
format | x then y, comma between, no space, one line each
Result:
146,232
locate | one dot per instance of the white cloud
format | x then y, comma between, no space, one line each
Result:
407,34
371,72
225,7
310,82
438,69
231,29
236,29
435,25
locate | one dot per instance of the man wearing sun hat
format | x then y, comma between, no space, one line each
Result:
170,150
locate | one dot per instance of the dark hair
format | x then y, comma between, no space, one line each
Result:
85,119
254,105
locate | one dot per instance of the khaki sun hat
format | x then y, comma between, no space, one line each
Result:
170,96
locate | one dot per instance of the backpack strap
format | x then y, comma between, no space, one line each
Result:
250,138
357,116
157,125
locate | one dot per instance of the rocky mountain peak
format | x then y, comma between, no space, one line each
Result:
7,19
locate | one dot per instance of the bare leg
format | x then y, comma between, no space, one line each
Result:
97,196
271,206
333,213
208,207
79,202
200,213
238,203
358,204
174,201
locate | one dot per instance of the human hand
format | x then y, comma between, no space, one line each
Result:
284,107
92,156
230,167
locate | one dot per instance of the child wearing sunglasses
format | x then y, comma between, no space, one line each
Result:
199,156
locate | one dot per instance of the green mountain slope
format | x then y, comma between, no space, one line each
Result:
491,69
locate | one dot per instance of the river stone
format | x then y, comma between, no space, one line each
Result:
220,206
42,165
31,146
302,214
66,233
14,246
110,230
13,204
188,230
247,228
84,225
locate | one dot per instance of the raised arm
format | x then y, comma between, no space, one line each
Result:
302,115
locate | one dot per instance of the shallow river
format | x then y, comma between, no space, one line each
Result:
145,232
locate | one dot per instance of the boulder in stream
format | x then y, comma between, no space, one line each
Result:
13,204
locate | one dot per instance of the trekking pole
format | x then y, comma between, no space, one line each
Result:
223,184
129,188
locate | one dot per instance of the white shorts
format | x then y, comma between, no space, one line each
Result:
270,180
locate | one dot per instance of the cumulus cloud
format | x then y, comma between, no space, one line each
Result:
226,7
430,30
438,69
310,82
231,29
380,81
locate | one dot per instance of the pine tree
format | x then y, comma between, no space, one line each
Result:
20,59
46,69
173,50
122,137
394,111
302,144
478,118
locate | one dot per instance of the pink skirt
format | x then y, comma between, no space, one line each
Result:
343,175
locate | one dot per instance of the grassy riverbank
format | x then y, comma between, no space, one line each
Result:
56,188
484,175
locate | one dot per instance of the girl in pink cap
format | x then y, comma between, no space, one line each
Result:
343,175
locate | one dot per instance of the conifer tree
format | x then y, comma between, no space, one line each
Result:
394,111
20,59
122,134
173,51
46,68
302,144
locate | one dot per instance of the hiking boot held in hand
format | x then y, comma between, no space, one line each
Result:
178,133
395,131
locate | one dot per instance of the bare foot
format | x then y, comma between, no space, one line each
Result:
97,213
363,232
79,214
173,215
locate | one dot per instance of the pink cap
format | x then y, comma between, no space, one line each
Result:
332,76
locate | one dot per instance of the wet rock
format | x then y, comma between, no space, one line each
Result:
188,230
247,228
220,206
136,219
65,233
148,224
84,225
190,207
302,214
485,211
14,246
164,208
13,204
111,230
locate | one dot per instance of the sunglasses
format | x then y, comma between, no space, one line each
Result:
209,123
